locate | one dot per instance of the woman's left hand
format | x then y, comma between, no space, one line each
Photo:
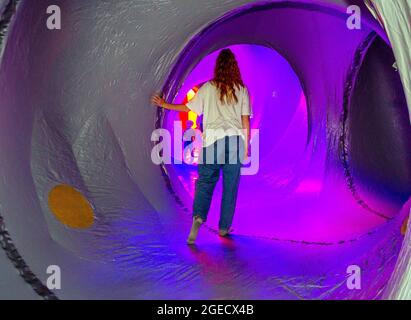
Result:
157,100
246,153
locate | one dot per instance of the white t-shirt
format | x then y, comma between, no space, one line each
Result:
220,120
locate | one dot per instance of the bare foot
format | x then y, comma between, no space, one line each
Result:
197,222
224,233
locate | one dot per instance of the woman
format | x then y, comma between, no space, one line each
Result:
225,103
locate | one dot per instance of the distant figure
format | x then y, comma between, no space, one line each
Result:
225,103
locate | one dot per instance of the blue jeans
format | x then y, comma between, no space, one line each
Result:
223,155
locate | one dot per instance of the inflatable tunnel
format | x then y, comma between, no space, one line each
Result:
80,193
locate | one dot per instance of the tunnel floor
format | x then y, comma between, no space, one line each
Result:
239,267
305,212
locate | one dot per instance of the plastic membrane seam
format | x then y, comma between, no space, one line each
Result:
18,262
5,239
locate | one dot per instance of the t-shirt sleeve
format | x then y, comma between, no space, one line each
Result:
246,109
197,103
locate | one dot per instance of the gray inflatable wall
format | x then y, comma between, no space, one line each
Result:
75,111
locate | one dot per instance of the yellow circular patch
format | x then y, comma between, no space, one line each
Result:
70,207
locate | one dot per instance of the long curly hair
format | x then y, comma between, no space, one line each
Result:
227,76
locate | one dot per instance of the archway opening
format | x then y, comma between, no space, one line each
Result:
303,191
279,120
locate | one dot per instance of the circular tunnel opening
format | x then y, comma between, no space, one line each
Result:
378,133
280,121
303,191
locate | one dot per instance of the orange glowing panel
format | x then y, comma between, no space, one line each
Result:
190,95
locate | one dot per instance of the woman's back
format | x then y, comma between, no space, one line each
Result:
221,118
